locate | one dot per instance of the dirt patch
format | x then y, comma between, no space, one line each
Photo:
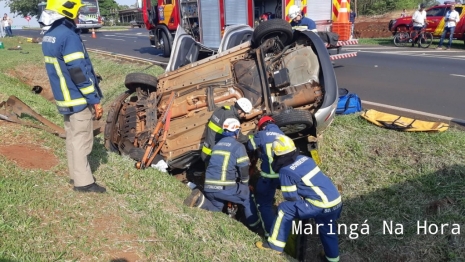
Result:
372,29
33,75
29,156
124,257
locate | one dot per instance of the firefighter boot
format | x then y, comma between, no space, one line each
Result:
194,199
265,246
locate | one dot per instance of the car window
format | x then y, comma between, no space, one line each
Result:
438,11
459,10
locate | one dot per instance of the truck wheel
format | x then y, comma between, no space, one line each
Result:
144,81
294,122
272,28
111,120
165,43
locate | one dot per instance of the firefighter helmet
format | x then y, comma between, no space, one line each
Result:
294,11
264,120
244,104
231,124
283,145
68,8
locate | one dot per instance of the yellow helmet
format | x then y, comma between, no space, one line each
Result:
283,145
68,8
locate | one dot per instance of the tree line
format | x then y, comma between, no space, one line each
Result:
379,7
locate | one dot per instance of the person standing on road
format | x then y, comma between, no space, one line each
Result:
308,193
298,21
266,186
451,20
227,177
75,88
419,21
352,16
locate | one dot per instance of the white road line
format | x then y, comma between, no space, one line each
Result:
457,75
423,54
110,35
113,39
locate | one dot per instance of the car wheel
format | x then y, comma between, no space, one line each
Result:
294,122
165,43
272,28
84,31
111,120
144,81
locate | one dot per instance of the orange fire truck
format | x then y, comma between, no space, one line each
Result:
206,20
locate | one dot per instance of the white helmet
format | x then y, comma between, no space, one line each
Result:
231,124
244,104
294,11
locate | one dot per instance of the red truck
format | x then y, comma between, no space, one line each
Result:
206,20
435,19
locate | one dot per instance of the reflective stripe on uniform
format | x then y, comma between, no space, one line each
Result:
274,175
206,150
215,128
273,238
322,204
269,154
73,56
63,86
289,188
336,259
87,90
252,142
254,224
243,159
74,102
224,169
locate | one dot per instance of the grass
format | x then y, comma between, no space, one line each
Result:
388,41
384,174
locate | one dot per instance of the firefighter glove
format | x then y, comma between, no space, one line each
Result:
98,111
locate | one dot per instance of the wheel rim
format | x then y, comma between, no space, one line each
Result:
294,128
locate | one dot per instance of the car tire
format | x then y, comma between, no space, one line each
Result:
272,28
111,120
166,44
294,122
144,81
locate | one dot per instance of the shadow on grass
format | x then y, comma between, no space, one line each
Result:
6,260
437,198
99,154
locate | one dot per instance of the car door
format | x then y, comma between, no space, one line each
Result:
235,35
435,19
460,27
185,50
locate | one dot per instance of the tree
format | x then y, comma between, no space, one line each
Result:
106,6
23,7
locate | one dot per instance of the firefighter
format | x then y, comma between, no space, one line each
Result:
268,182
75,88
227,176
299,21
242,107
308,194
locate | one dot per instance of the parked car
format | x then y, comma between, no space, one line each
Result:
284,73
435,19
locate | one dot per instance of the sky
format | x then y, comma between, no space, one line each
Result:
20,21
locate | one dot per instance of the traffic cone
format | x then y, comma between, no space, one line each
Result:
93,34
343,15
342,25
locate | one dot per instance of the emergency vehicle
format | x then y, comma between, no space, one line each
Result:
435,18
206,20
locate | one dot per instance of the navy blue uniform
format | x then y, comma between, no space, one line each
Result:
309,194
227,177
71,74
304,22
269,180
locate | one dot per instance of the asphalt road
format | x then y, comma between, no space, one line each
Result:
424,80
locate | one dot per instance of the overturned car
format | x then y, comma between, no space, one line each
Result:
284,73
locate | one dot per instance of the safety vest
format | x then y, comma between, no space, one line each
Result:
227,157
68,66
263,140
303,178
215,127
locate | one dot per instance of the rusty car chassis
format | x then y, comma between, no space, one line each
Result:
284,73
